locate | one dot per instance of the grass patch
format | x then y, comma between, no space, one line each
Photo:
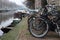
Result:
13,34
27,33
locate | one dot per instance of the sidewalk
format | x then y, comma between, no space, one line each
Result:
25,35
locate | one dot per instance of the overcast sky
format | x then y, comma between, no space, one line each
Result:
18,2
11,4
5,4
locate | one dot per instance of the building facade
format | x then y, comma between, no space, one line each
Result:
39,3
30,4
